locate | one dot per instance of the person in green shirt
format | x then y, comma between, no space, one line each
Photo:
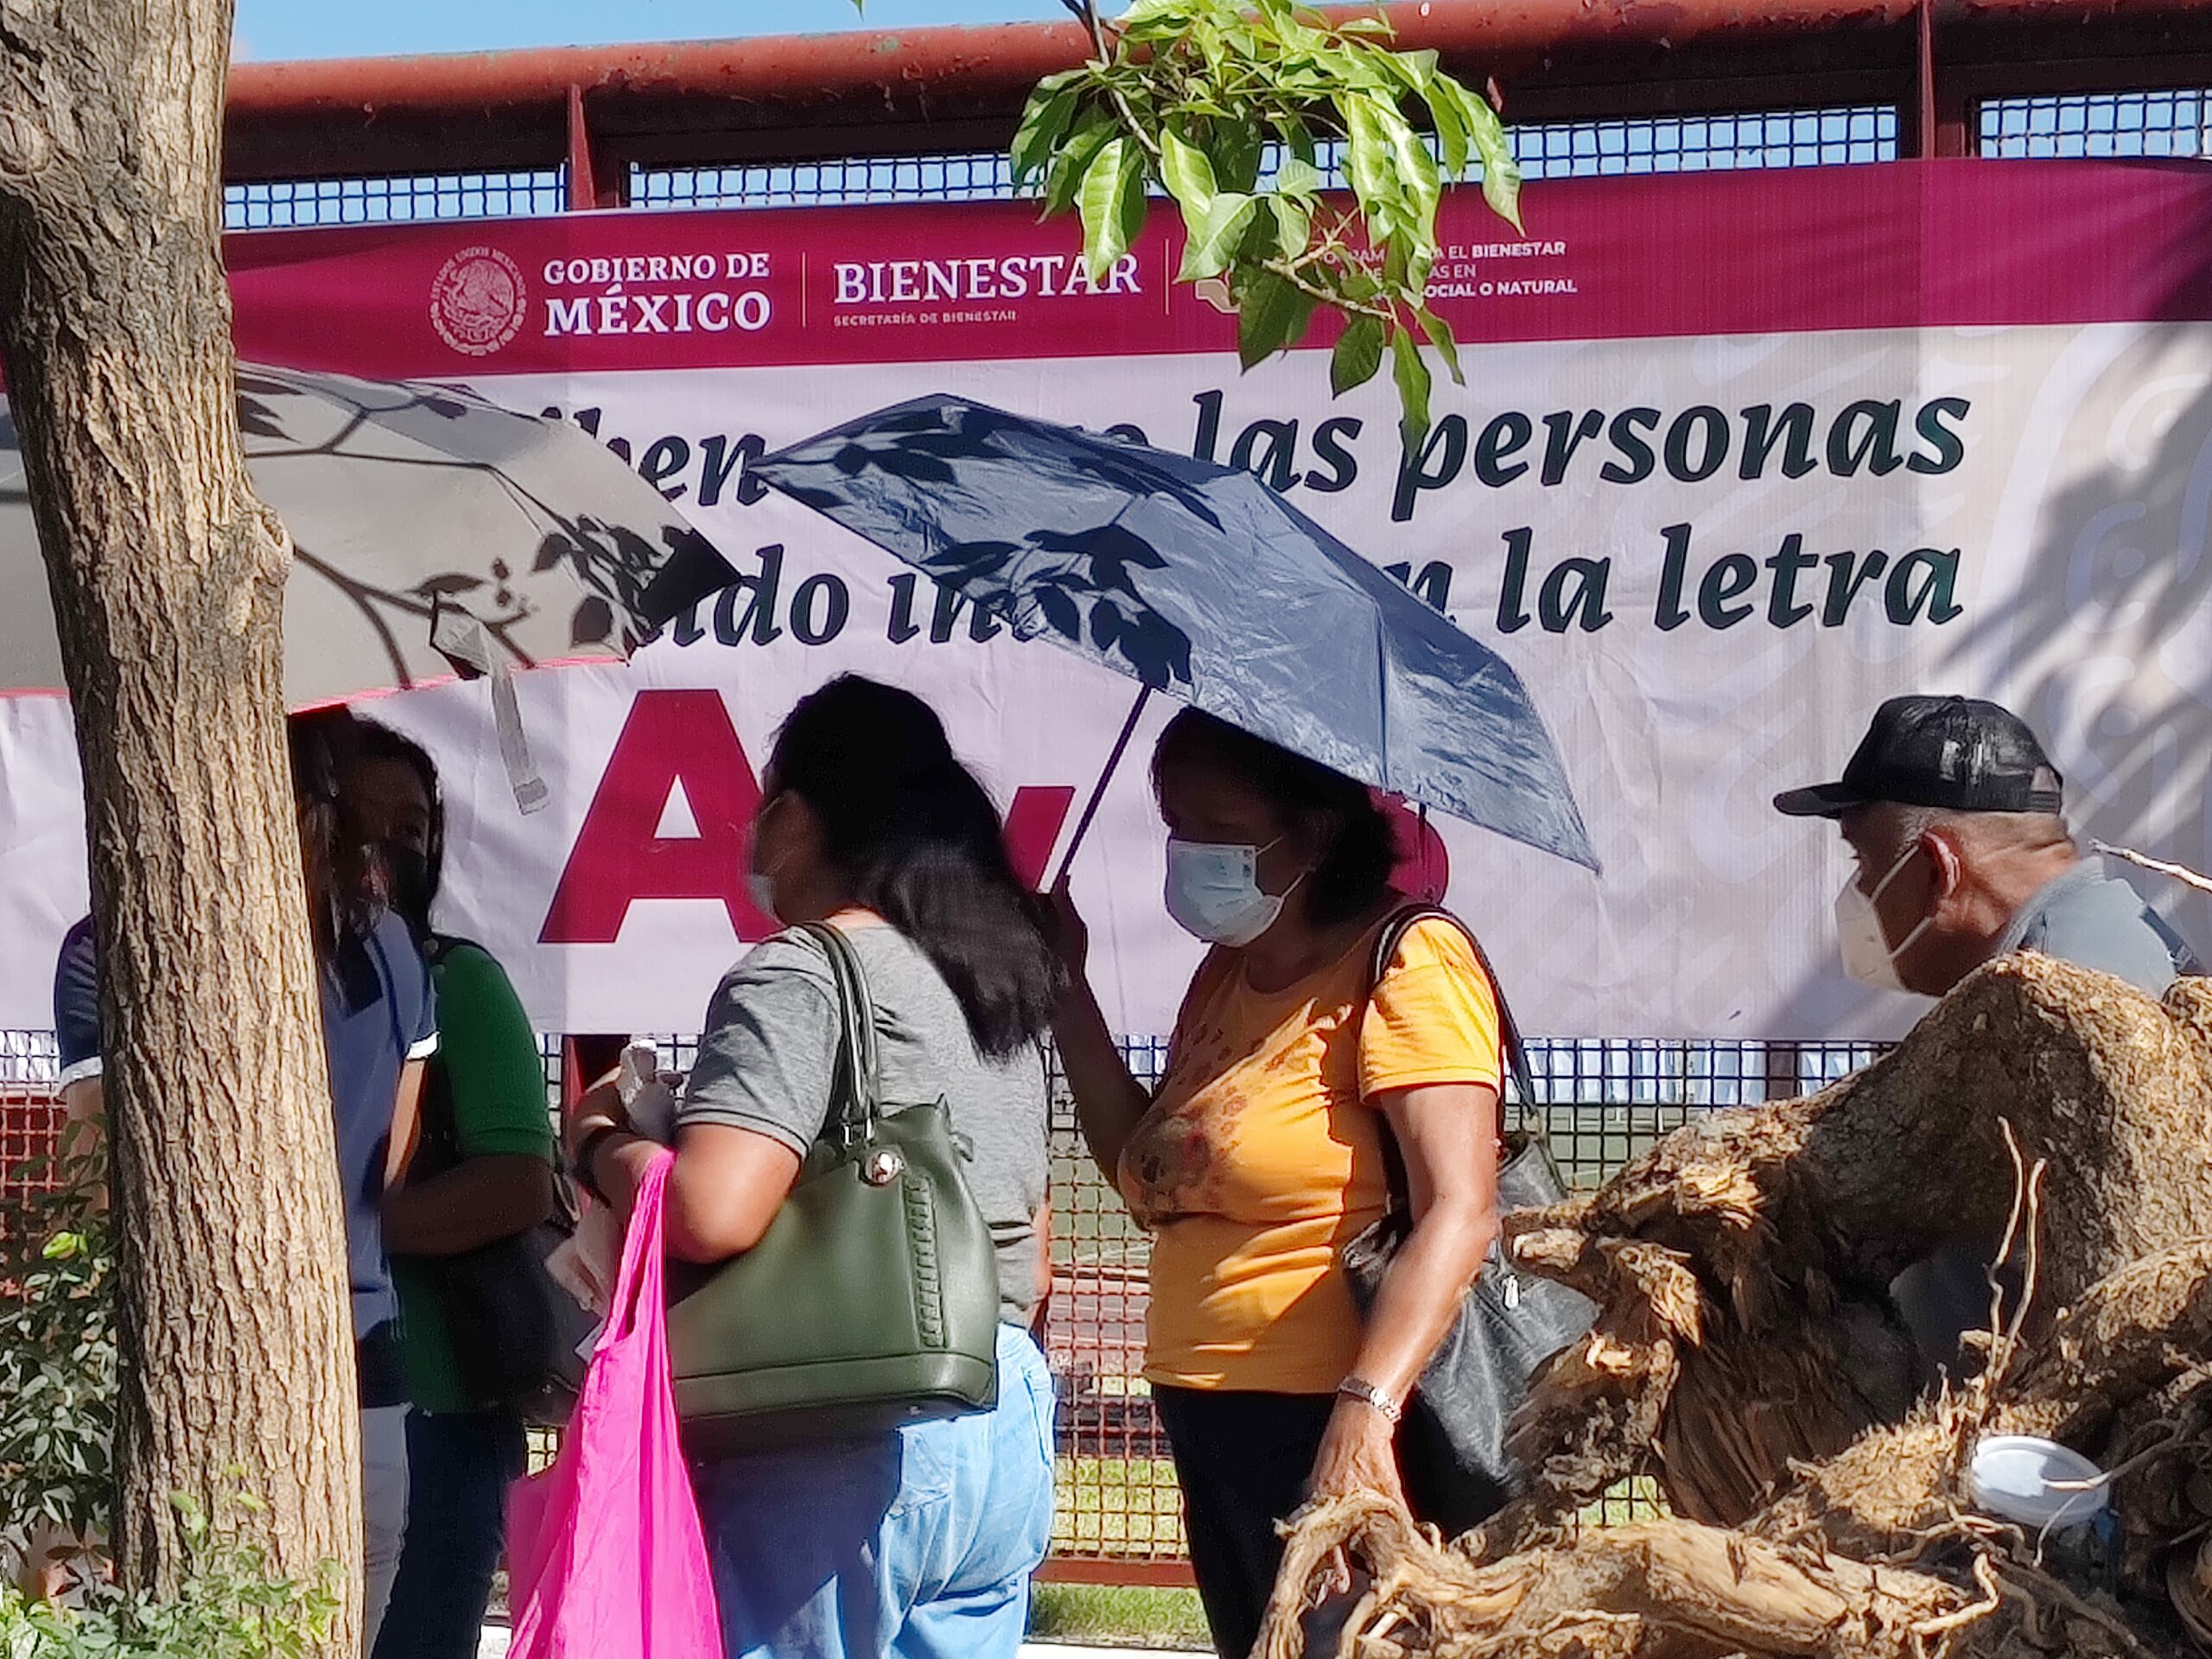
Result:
484,1172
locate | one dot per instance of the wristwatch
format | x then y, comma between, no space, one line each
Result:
1359,1389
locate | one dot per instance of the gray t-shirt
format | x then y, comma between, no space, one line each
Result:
769,1049
2094,920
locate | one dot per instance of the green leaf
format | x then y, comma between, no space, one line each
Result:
1439,336
1415,167
1501,173
1189,178
1297,178
1132,205
1451,130
1411,375
1358,355
1294,226
1044,124
1271,316
1368,155
1111,185
1237,150
1416,69
1210,247
1070,167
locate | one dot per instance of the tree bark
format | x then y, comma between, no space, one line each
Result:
167,577
1742,1266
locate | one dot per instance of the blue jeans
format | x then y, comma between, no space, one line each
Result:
916,1546
460,1465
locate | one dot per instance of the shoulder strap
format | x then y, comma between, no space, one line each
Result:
1386,948
856,1089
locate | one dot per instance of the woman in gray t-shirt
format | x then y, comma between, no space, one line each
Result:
923,1540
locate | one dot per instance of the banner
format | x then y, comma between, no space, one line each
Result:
1736,457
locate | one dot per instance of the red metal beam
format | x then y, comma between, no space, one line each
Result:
1151,1571
983,61
938,88
788,70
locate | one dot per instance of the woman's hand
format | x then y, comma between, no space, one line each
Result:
1065,930
1358,1454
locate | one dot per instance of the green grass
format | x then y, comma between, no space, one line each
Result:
1117,1616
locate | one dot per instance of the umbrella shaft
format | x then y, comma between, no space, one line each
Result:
1098,794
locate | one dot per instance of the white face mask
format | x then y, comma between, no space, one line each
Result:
762,888
759,884
1213,891
1868,956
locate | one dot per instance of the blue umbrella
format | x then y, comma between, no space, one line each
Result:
1199,581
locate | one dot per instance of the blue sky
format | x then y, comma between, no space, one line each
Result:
324,29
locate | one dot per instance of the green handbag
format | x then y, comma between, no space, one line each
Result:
872,1299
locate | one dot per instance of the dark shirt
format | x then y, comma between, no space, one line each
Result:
77,1005
378,1012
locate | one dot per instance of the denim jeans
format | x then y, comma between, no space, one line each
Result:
919,1545
384,1511
460,1465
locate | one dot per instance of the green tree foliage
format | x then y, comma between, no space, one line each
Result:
57,1344
229,1606
1225,107
57,1422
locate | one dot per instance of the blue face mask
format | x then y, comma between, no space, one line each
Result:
1213,891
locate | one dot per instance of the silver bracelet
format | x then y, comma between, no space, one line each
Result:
1359,1389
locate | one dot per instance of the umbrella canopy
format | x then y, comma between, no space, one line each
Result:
436,533
1200,581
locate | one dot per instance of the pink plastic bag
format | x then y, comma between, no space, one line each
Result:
605,1558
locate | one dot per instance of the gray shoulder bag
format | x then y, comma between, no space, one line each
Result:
1452,1439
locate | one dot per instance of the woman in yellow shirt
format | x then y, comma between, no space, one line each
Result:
1260,1156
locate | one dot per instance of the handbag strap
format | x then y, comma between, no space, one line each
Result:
1393,936
1387,943
857,1086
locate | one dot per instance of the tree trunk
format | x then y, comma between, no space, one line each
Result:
167,577
1742,1266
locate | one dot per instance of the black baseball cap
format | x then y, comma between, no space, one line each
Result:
1958,754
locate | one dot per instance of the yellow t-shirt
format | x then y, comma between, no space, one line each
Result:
1260,1159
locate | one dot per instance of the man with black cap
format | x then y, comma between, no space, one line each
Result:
1955,817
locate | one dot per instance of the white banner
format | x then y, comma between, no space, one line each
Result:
1708,557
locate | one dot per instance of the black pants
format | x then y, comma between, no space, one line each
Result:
458,1468
1243,1460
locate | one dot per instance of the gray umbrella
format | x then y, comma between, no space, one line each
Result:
1199,581
435,532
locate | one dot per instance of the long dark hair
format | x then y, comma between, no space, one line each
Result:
1362,848
347,883
380,742
916,840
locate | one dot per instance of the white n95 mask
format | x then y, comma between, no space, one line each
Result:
1868,955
